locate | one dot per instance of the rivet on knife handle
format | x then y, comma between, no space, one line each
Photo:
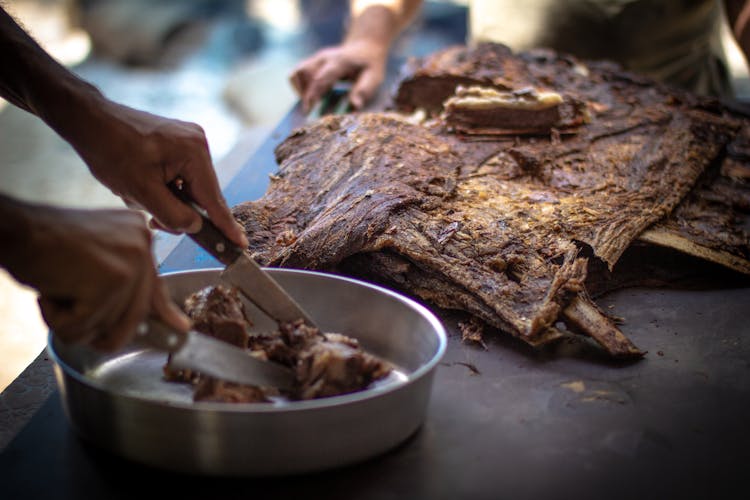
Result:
159,335
242,271
210,238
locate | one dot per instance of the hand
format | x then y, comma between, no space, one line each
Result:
95,274
136,154
133,153
362,61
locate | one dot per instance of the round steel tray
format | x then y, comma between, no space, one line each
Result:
121,403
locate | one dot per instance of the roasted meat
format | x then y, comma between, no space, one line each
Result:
324,365
221,391
488,111
710,224
330,364
216,311
499,227
426,83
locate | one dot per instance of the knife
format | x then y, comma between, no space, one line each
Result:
333,102
241,270
210,356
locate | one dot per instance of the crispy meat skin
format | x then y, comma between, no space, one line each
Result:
427,82
713,216
501,240
492,226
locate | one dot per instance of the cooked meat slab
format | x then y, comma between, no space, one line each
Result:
495,239
491,225
712,221
710,224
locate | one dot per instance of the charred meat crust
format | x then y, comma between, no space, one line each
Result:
492,226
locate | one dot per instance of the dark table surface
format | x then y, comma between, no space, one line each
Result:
503,422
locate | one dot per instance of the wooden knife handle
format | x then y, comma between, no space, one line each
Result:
210,238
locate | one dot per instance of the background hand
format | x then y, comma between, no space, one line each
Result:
361,61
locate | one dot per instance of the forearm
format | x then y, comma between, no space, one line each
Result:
738,16
32,80
380,21
16,219
132,152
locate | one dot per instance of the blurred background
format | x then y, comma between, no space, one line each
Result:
220,63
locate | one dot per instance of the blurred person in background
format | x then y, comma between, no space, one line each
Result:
674,41
94,269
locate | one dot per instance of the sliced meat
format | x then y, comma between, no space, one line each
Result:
217,311
331,364
221,391
324,364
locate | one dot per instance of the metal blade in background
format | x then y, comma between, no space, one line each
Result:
227,362
333,102
264,291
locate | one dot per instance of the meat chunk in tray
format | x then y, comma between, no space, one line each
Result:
325,364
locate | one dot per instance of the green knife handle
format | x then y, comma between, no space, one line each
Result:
209,237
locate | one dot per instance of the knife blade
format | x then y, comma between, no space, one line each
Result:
242,271
210,356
